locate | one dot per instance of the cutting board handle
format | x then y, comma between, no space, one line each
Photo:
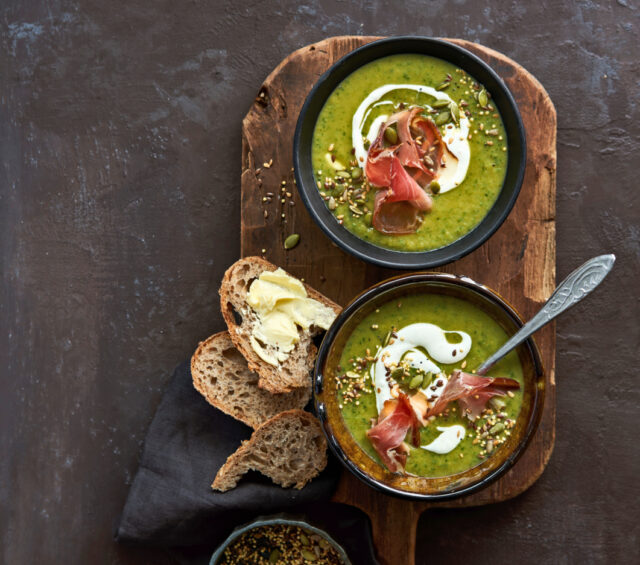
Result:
401,518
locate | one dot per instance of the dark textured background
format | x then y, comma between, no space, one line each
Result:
119,211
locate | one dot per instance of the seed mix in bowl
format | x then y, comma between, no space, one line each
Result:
281,544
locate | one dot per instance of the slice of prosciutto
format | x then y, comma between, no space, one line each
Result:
472,393
396,210
387,436
403,171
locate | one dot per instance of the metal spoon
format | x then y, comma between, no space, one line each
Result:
569,292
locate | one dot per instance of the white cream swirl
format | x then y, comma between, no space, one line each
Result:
429,336
455,137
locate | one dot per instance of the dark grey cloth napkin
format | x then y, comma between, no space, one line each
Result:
171,503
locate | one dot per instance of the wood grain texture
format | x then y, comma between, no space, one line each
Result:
518,261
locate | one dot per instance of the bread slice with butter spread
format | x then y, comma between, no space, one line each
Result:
279,317
289,448
220,373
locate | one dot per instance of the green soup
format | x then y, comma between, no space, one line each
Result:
340,174
483,436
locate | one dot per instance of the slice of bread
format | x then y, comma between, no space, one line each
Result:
292,373
220,373
290,449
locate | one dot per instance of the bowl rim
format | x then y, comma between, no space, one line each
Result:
391,258
276,519
360,300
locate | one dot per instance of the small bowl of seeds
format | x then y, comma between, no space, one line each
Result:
279,540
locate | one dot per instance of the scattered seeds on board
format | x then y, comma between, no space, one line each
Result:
292,241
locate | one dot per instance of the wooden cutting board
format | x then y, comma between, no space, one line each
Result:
518,261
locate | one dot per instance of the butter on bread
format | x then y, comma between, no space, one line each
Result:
293,369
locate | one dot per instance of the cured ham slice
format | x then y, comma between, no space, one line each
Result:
387,436
409,151
403,170
472,406
420,406
396,210
471,391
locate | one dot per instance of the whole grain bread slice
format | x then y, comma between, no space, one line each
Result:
289,448
295,370
220,373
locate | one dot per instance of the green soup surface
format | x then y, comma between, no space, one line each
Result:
358,400
347,192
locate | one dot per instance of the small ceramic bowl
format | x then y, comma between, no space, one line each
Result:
303,166
354,458
277,520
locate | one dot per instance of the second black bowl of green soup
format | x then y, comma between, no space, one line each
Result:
398,398
409,152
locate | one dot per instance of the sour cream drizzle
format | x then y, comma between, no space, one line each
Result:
454,137
447,441
433,339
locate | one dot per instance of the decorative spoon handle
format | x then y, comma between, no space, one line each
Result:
569,292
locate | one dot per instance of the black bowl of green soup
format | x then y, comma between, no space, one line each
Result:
398,398
409,152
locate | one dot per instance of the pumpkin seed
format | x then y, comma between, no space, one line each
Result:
304,539
443,86
343,174
292,241
426,380
397,374
332,203
483,99
497,403
434,186
499,427
440,103
356,173
274,556
308,555
455,111
442,118
391,135
415,381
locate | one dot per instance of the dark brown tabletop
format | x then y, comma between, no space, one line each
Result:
119,211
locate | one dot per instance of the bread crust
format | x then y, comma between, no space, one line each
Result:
220,373
289,448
